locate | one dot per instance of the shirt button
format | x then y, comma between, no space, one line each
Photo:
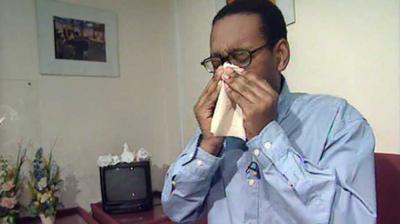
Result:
251,182
255,174
256,152
173,183
199,163
268,145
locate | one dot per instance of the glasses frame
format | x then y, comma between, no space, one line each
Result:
226,58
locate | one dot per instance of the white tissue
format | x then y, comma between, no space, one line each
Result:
115,160
142,155
127,156
227,118
105,160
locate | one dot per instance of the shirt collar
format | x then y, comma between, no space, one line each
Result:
284,101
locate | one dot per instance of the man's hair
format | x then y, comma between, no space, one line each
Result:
273,23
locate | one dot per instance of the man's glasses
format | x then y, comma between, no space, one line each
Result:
241,58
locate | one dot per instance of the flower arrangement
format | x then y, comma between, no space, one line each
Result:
10,187
45,185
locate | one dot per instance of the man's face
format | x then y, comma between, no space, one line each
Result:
243,31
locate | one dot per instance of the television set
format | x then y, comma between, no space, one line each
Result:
126,187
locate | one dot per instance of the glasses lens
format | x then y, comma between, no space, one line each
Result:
211,64
240,58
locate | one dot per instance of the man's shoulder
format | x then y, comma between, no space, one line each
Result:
318,100
323,104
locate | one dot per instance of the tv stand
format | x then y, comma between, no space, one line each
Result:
153,216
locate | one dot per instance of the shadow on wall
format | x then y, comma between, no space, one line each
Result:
157,176
70,191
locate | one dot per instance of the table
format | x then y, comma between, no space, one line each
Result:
75,215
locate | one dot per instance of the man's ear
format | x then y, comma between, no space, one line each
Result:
281,55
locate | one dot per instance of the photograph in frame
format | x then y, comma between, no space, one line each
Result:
76,40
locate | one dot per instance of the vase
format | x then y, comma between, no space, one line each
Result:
47,219
9,219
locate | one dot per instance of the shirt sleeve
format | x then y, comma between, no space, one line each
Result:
340,188
188,182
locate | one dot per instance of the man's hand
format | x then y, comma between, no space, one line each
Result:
204,110
255,96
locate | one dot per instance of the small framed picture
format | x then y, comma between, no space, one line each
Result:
76,40
288,10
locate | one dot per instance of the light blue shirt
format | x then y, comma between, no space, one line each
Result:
315,164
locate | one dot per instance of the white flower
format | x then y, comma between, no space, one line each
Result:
105,160
53,171
42,184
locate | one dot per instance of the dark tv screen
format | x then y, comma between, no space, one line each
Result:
126,187
125,184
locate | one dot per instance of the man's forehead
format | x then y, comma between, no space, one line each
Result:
236,31
228,45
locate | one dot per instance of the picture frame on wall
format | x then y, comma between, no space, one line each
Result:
286,6
76,40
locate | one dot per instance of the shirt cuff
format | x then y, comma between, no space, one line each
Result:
204,164
270,145
201,166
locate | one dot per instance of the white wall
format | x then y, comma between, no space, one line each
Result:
344,48
351,49
92,116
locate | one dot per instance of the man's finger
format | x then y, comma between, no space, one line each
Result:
237,97
213,96
209,85
261,83
242,86
210,93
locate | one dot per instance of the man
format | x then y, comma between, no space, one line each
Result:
307,158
